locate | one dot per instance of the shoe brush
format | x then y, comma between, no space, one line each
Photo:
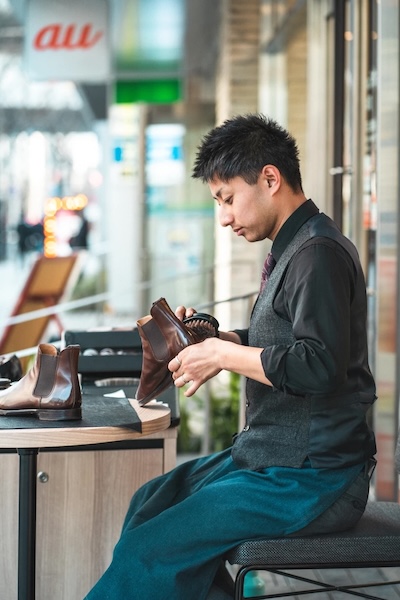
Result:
204,325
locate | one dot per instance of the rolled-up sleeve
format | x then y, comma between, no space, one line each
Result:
243,335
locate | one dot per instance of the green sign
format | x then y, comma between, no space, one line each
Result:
151,91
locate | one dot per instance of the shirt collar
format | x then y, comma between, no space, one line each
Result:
291,226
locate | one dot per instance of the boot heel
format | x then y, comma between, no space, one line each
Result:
68,414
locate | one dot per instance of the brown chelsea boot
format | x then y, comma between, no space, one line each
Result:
50,390
163,336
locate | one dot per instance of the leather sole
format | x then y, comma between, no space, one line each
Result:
44,414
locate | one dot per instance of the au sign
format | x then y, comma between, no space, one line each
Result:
68,37
68,41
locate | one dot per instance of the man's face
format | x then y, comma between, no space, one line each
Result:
248,209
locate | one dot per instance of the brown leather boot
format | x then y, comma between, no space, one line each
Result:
163,336
50,390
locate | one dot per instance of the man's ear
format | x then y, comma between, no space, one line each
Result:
271,175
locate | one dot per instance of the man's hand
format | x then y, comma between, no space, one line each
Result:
183,313
195,365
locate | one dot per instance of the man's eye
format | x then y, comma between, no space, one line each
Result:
228,200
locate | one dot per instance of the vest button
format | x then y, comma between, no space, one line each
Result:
246,427
247,403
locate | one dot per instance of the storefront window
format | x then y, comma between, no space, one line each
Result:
387,243
370,188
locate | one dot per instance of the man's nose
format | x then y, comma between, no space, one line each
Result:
225,217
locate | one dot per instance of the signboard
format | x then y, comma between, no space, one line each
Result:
67,40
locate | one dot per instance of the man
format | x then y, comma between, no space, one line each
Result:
302,461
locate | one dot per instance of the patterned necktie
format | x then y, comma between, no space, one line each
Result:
268,267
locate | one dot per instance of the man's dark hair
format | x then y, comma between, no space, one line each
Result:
242,146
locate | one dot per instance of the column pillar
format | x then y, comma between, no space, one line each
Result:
238,263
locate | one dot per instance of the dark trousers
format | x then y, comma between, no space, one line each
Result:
179,525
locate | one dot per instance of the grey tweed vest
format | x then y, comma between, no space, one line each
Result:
279,427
